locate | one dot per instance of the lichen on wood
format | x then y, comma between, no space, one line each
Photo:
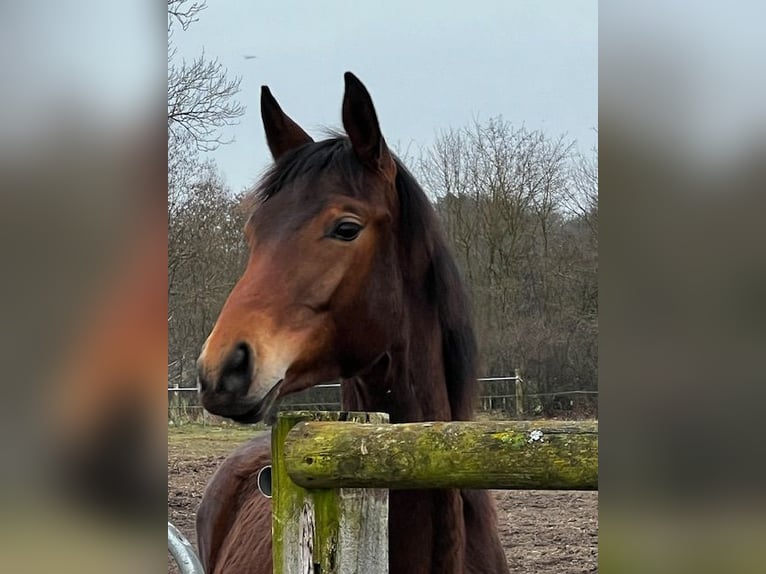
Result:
500,455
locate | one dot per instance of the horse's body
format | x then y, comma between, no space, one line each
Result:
349,277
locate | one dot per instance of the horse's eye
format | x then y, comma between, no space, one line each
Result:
346,231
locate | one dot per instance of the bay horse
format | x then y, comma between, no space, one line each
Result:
349,277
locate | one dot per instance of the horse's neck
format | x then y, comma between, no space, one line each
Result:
409,381
409,384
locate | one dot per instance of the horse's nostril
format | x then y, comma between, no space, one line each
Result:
238,358
237,370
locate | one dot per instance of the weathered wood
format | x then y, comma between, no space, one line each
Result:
343,531
502,455
519,393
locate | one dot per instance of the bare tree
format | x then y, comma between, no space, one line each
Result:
206,253
205,244
201,95
505,196
583,194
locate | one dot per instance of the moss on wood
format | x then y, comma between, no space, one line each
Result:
341,531
506,455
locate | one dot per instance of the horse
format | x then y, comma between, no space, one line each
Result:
349,277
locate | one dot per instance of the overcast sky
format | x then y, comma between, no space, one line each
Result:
429,66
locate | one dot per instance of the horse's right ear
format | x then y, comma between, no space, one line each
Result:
282,133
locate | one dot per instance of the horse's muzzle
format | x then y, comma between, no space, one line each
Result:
225,391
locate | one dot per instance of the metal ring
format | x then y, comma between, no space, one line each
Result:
264,481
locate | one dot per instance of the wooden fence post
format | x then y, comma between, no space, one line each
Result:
331,531
519,394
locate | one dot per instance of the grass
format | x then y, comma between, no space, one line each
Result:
191,441
198,441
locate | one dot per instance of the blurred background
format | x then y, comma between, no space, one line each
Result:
83,237
682,332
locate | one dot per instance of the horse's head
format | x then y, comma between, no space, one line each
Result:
321,297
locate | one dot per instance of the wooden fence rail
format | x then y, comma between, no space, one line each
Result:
500,455
332,473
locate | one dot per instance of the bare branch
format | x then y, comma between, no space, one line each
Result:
201,102
184,12
201,95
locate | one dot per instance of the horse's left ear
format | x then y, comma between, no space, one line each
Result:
282,133
361,124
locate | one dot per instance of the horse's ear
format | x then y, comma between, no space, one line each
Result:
282,133
361,124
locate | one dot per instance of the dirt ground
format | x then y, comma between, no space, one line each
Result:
543,532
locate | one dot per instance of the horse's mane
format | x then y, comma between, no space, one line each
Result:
423,249
421,232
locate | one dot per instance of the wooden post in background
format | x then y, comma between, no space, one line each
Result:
331,531
519,394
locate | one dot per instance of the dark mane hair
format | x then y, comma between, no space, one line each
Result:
422,236
427,262
334,153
